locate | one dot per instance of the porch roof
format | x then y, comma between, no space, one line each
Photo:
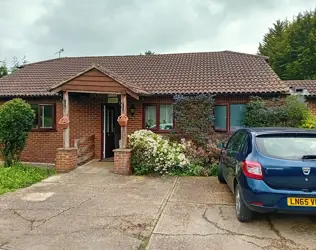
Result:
106,72
104,82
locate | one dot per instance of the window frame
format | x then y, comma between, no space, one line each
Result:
39,107
157,128
227,104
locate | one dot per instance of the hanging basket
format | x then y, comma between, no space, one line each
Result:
64,122
122,120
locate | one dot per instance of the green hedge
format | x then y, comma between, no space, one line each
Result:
286,112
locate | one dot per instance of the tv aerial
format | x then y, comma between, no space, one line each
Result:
59,52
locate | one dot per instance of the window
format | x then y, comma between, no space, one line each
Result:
236,116
44,116
220,117
166,117
228,117
287,146
150,117
158,116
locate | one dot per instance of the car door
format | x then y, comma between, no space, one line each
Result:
234,155
226,157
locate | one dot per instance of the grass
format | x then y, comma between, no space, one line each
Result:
20,176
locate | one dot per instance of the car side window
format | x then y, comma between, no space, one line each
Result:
245,145
237,142
230,143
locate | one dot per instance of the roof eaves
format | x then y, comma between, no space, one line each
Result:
30,94
282,92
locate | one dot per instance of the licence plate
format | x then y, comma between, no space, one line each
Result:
301,202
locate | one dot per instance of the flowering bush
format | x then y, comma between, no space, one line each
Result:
154,154
202,155
204,159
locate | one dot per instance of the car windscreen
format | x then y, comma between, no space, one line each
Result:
287,146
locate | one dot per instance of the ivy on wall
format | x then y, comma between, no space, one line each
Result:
194,117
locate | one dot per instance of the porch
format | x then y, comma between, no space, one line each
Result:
92,102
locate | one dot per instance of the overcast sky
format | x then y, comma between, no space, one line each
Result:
39,28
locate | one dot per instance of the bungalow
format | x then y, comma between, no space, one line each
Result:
91,92
306,88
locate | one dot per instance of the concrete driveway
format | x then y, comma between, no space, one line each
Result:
91,208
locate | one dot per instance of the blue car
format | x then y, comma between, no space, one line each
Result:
270,170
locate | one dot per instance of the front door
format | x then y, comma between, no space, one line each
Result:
108,131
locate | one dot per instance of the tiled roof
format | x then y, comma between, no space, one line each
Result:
308,87
186,73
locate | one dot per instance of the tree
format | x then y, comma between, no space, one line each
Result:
16,120
3,69
17,64
291,47
148,52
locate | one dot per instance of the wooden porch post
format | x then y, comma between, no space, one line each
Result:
66,113
123,129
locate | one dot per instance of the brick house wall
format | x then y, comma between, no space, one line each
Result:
136,122
85,119
85,113
41,146
311,103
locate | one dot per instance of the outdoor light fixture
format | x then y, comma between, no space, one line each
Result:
132,109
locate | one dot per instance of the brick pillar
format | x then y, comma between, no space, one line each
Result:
66,159
123,161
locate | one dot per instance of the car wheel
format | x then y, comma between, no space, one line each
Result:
220,173
243,213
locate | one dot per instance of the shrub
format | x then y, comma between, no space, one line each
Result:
194,117
296,109
154,154
194,169
204,159
288,112
201,155
16,119
309,121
